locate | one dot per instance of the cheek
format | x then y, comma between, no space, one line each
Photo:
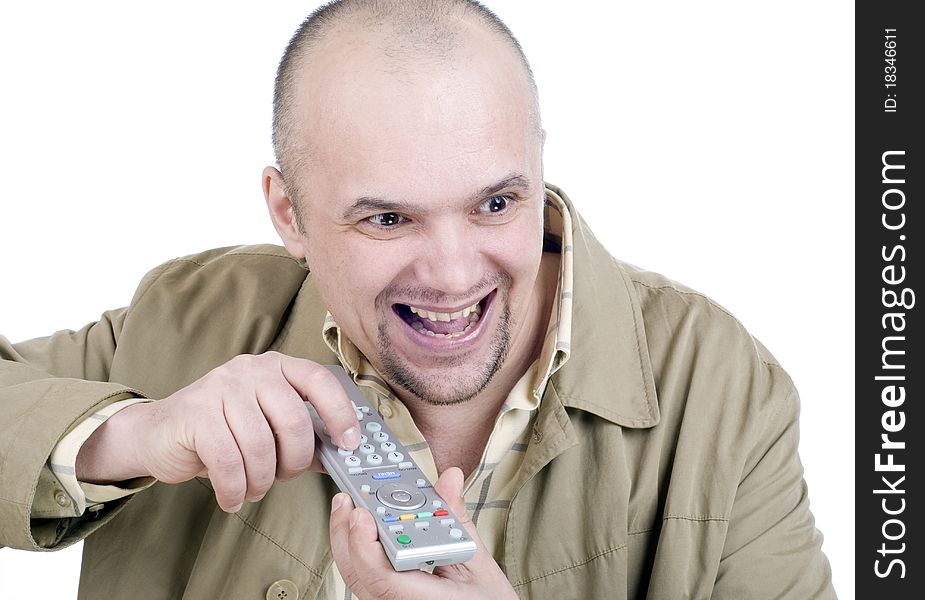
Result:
350,277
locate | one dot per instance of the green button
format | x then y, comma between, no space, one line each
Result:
425,515
404,539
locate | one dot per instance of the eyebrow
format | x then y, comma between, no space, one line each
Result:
373,204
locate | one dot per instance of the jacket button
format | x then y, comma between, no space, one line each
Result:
61,498
283,590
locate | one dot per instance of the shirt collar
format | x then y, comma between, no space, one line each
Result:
609,372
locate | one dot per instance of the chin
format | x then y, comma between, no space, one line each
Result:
459,379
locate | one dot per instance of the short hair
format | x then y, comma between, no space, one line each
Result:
422,27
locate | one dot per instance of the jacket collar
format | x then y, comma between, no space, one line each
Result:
609,373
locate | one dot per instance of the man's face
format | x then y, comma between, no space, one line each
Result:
422,209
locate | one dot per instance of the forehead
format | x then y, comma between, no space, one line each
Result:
375,122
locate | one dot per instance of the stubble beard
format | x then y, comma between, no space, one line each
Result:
444,390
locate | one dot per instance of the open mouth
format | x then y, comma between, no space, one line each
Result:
449,325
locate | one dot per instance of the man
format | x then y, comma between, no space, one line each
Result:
410,185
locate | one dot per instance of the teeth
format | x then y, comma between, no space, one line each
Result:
475,309
421,329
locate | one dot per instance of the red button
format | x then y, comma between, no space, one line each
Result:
441,513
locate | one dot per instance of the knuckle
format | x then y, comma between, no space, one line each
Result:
226,464
299,427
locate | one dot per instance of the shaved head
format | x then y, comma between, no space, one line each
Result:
403,37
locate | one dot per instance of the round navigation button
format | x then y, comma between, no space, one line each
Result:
400,496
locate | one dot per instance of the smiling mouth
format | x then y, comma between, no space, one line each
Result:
450,325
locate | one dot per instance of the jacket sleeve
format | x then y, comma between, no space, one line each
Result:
772,548
48,386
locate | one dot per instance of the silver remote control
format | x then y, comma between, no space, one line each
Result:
416,527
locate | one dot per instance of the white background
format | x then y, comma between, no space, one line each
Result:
710,141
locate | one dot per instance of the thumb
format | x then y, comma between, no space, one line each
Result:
450,487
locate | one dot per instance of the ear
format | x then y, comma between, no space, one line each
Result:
282,212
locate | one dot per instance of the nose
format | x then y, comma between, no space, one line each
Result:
450,260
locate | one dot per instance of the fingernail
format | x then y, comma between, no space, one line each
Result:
354,517
235,509
351,438
337,501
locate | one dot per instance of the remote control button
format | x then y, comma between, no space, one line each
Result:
352,461
406,517
364,488
363,439
367,448
359,414
403,539
374,459
405,465
441,513
437,503
422,483
386,475
455,533
396,457
343,452
401,496
396,528
381,436
380,510
387,446
365,409
355,470
373,427
446,522
422,524
425,515
389,518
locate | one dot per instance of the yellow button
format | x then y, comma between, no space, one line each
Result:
385,411
61,498
407,517
283,590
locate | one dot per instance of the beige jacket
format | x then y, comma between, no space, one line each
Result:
663,461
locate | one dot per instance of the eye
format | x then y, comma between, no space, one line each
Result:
495,204
389,219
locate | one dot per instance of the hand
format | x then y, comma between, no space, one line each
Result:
243,425
369,574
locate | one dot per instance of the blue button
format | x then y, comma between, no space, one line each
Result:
389,518
387,475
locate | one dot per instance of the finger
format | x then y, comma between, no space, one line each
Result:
254,438
291,424
449,486
341,507
219,453
321,387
